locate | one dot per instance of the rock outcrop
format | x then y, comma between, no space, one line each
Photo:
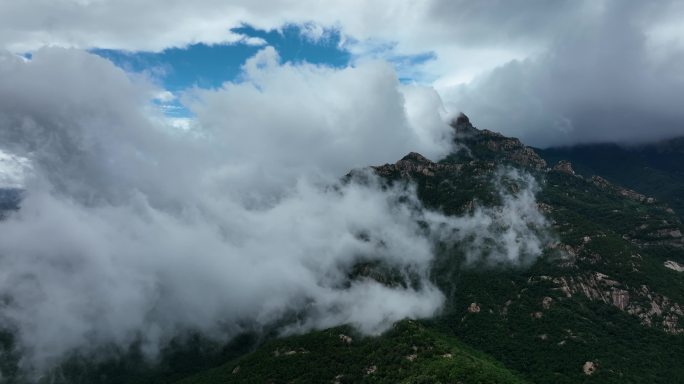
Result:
415,164
488,145
589,368
673,265
565,167
345,339
624,192
650,308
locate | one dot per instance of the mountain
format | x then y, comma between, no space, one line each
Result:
602,300
409,353
654,169
604,303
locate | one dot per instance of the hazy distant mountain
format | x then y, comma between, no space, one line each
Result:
656,169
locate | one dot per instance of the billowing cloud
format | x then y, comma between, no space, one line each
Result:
156,25
465,36
512,233
132,229
126,272
549,72
282,120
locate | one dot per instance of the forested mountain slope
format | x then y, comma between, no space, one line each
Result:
589,289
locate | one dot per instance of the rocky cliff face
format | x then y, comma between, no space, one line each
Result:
488,145
652,309
415,164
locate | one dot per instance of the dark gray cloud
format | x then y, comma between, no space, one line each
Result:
609,78
497,22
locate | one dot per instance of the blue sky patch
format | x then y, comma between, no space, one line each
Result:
209,66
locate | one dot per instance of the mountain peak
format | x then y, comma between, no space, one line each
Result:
486,145
415,157
462,119
461,124
564,166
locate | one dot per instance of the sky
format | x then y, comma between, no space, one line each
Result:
551,73
222,128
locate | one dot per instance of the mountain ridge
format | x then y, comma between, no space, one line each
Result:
603,302
651,168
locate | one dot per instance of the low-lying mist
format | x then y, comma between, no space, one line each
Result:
131,230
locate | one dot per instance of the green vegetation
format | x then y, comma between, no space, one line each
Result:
600,293
544,344
653,169
409,353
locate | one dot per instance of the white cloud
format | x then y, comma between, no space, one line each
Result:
146,230
183,123
255,41
345,118
466,36
512,233
469,40
13,170
164,96
114,273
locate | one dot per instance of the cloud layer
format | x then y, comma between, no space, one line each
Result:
551,73
126,272
284,119
133,229
612,79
